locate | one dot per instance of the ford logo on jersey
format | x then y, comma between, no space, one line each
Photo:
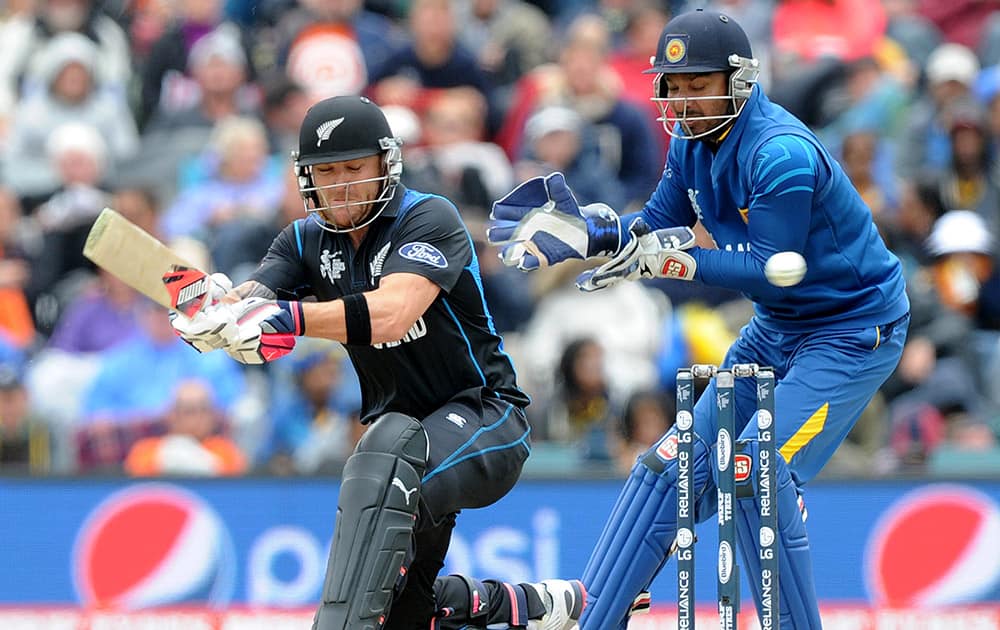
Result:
425,253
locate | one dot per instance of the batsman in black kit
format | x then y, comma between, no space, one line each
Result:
392,274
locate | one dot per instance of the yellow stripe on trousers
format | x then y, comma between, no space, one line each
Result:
806,432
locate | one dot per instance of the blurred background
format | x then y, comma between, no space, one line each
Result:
181,115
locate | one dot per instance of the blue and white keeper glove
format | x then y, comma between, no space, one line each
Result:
540,223
649,254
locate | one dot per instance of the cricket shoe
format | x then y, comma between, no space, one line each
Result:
564,602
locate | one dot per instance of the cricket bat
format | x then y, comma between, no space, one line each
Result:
138,259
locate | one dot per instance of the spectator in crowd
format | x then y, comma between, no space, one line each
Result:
145,21
563,314
312,429
970,180
644,21
453,159
911,29
950,72
581,411
138,377
647,416
509,38
194,442
583,81
219,66
434,59
807,30
960,21
859,157
920,205
104,315
240,192
939,377
987,93
79,155
876,92
25,34
25,441
69,93
166,85
285,105
134,386
557,139
333,47
16,322
964,250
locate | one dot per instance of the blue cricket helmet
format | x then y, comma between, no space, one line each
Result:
700,41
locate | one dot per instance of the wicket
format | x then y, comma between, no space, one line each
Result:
730,465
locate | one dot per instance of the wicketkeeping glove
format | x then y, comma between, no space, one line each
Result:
540,223
211,327
266,329
649,254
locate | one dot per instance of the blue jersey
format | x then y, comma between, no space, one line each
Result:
768,187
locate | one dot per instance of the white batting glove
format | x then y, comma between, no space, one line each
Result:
212,327
650,254
209,329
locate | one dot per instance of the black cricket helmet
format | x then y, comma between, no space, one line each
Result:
340,129
699,42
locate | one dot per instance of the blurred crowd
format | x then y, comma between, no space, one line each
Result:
181,114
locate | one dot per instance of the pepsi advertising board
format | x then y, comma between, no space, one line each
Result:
219,548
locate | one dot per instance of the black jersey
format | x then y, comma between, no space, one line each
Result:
453,346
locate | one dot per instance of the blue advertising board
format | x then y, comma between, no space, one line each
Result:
265,541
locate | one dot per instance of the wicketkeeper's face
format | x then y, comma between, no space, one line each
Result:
700,102
348,189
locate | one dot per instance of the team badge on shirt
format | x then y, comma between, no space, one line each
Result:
330,265
424,253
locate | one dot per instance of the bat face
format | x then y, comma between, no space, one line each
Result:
144,263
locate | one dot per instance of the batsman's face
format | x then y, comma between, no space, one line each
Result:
348,189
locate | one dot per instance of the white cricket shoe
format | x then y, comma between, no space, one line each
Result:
564,600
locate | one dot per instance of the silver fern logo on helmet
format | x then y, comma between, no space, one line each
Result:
323,131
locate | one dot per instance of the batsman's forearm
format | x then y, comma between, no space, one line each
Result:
325,320
387,314
250,288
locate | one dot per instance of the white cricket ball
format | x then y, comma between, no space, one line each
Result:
785,269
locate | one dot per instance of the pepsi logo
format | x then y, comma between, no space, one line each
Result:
933,547
151,545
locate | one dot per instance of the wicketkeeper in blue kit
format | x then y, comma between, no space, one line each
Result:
761,183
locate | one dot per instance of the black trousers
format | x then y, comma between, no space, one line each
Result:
478,444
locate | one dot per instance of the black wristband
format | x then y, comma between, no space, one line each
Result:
357,319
